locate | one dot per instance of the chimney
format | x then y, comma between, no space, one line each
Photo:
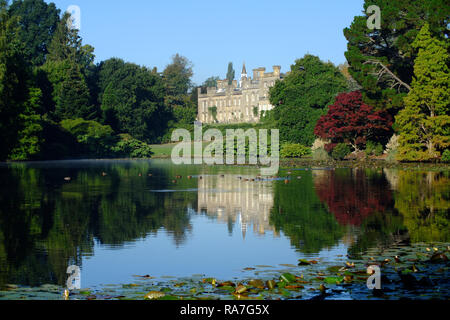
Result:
277,71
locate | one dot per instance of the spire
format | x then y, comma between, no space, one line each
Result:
244,75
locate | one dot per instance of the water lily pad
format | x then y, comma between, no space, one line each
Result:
257,284
154,295
303,262
288,277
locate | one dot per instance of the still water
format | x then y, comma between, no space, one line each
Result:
119,219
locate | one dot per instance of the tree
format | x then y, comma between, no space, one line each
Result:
132,100
231,74
30,136
177,76
14,76
211,82
38,21
303,96
66,68
382,61
424,123
351,121
70,92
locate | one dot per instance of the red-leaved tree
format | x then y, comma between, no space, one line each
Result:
351,121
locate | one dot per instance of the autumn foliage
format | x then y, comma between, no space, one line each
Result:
351,121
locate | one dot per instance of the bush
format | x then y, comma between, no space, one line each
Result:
95,139
340,151
446,156
293,150
374,149
321,154
131,147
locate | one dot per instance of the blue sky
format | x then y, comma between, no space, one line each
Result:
212,33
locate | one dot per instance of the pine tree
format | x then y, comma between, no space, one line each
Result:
424,123
66,67
231,74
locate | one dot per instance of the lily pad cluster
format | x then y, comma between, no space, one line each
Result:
415,272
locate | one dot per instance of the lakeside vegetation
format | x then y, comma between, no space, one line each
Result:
391,95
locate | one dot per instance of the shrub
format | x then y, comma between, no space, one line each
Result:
96,139
321,154
293,150
446,156
374,148
340,151
131,147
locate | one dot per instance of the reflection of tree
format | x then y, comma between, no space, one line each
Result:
423,198
353,195
47,224
380,229
303,218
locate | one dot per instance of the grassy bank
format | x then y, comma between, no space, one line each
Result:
164,151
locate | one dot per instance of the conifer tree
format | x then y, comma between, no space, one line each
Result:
424,123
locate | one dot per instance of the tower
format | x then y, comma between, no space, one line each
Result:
244,75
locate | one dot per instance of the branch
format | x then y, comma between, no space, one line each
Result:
384,70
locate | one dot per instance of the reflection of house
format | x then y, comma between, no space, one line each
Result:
247,203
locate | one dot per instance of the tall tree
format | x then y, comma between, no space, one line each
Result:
382,61
38,22
66,67
231,74
13,81
132,99
177,76
424,123
303,96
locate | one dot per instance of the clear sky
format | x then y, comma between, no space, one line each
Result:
213,33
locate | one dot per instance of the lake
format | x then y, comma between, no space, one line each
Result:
119,219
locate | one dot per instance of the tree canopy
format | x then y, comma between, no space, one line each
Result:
351,121
382,61
303,96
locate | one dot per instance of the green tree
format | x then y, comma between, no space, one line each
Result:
177,77
30,136
303,96
132,100
38,21
424,123
382,61
211,82
13,81
71,96
66,68
231,74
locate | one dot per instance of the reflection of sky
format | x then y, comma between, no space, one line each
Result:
208,250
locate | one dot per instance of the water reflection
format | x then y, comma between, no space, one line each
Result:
352,195
237,200
47,223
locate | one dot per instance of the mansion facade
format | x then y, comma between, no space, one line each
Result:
241,102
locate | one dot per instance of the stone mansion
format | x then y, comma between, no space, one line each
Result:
240,102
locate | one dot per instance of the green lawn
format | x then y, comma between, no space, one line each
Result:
162,150
165,150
